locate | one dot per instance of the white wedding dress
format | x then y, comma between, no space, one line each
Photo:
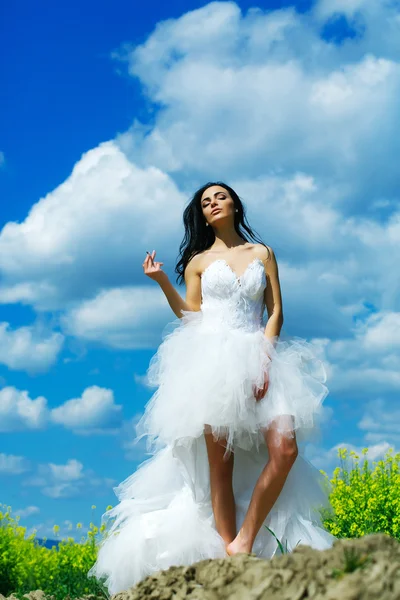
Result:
204,372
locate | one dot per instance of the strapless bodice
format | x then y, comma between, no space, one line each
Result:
232,300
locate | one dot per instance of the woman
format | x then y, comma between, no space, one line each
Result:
232,402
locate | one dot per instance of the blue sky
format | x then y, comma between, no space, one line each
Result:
112,114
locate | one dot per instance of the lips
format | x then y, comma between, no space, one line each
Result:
215,211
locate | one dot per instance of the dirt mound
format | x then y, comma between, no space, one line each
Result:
358,569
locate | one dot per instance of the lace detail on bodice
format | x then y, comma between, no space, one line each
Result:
235,301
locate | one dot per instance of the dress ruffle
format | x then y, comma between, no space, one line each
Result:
165,515
205,378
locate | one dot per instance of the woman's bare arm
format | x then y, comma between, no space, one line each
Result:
273,297
192,279
193,283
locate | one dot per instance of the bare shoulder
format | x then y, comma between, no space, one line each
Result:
265,253
194,266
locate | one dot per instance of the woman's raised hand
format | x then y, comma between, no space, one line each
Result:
152,268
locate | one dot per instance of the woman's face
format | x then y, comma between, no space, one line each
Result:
217,204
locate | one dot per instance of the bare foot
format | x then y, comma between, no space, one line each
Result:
238,545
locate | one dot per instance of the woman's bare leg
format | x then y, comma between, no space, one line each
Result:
222,498
282,452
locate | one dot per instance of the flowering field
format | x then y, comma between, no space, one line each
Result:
365,498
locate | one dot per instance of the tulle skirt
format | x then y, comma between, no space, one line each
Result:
205,379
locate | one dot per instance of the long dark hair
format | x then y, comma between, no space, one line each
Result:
198,237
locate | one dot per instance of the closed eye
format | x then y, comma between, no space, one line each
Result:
220,197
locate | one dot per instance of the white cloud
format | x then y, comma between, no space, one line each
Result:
328,460
123,318
329,8
27,512
18,411
369,361
381,422
93,412
90,233
69,472
29,348
13,465
383,333
69,480
141,379
135,450
279,86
